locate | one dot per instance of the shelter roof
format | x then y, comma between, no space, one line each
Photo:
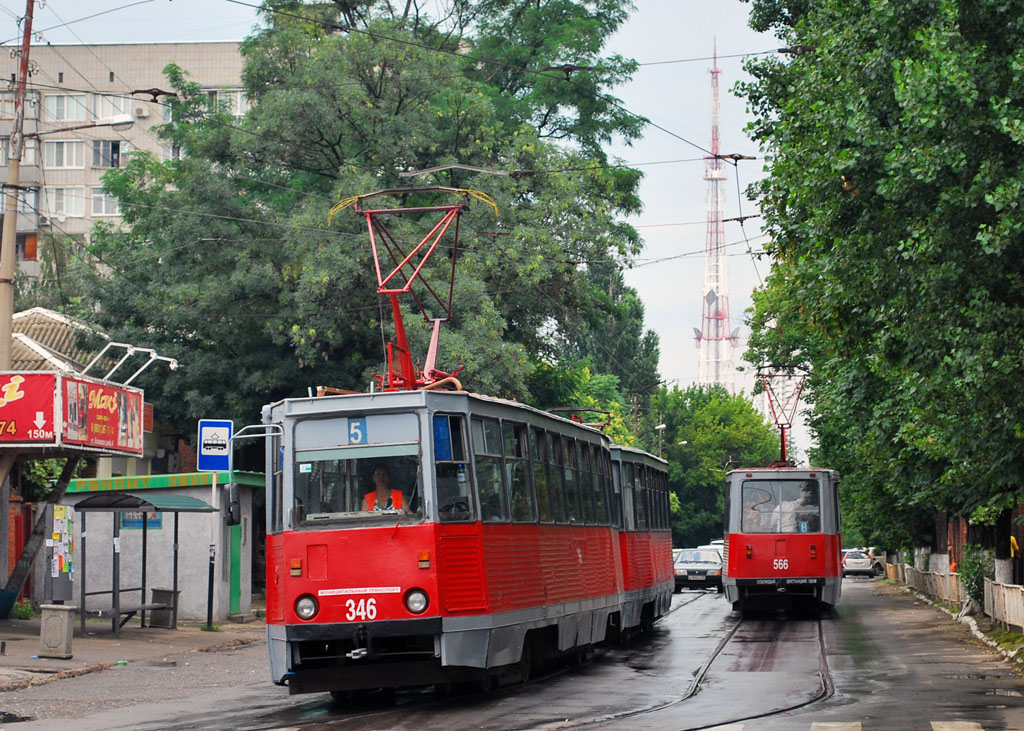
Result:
126,501
156,482
44,340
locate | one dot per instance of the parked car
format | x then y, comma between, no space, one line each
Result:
877,556
675,553
698,568
857,563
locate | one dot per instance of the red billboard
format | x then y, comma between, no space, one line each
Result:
90,414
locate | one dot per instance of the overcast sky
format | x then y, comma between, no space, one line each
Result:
675,39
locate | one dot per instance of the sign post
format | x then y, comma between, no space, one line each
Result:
214,455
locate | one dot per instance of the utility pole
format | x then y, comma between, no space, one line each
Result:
8,255
8,239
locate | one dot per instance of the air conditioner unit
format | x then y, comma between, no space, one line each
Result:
43,220
141,112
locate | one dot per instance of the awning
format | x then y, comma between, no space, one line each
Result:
124,502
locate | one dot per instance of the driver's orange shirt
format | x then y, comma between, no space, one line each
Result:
370,500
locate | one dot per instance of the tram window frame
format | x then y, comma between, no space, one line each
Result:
451,469
486,440
515,444
538,459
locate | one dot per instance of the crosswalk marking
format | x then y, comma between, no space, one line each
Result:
856,726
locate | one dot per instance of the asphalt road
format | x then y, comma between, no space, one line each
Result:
891,662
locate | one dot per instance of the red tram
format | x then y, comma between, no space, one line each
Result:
504,535
782,540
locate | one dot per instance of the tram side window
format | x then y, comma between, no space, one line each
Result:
487,450
454,492
517,455
570,469
610,490
539,445
640,497
276,502
628,488
586,481
556,478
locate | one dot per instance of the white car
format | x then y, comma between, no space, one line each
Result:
857,563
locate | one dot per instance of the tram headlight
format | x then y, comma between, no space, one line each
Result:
416,601
306,607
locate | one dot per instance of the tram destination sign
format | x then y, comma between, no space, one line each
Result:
65,410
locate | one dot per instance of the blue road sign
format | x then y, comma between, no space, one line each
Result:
214,445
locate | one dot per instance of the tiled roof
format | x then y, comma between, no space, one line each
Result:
44,340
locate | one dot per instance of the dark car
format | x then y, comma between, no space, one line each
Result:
698,568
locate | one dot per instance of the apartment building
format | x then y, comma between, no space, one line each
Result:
70,89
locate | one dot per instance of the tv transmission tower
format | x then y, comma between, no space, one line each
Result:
716,338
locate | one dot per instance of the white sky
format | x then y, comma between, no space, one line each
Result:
676,96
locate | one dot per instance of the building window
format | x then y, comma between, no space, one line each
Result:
107,153
64,154
103,204
65,107
7,101
234,101
28,151
64,202
28,202
170,152
105,107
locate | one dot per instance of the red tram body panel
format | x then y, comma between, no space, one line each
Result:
782,539
521,535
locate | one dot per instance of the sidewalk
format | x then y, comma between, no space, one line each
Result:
98,648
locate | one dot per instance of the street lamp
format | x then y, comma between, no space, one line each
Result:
9,234
660,428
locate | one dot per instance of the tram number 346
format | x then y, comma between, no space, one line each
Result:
362,609
780,564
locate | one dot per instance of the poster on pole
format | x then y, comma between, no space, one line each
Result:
55,409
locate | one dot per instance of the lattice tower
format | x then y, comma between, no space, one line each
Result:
715,338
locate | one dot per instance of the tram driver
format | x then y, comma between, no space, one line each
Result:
382,497
801,515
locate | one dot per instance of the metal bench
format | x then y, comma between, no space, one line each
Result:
120,615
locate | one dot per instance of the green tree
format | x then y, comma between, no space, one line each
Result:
721,432
892,204
227,262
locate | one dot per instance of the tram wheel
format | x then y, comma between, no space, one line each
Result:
341,696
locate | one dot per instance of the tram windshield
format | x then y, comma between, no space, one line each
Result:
358,483
781,506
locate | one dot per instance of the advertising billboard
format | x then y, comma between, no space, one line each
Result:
68,410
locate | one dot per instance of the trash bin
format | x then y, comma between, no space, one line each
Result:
56,630
164,617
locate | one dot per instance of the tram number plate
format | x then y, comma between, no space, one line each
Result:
360,609
780,564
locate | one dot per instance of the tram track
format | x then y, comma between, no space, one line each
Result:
826,688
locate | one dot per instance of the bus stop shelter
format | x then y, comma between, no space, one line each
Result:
122,502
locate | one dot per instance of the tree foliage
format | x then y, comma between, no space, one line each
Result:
226,260
721,432
895,148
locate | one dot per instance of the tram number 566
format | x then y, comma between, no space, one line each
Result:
362,609
780,564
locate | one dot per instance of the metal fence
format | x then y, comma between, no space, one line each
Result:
1003,602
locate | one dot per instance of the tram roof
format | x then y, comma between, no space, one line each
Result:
318,405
